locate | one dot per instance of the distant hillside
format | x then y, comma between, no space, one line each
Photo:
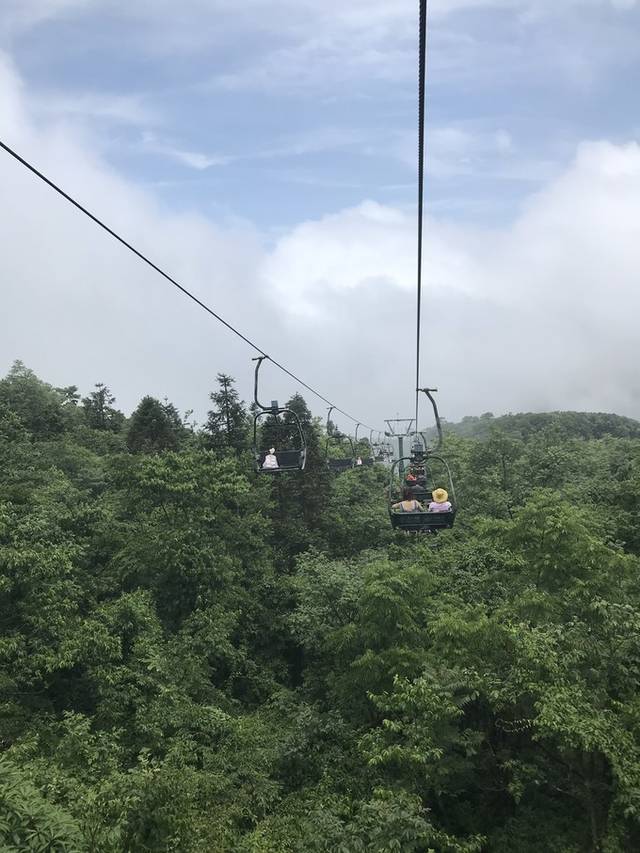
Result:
566,424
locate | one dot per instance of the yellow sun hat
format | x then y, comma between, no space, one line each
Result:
440,495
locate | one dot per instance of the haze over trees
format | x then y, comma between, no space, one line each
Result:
196,658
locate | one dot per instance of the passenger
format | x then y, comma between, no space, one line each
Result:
271,460
408,503
440,502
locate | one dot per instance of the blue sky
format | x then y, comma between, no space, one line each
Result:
288,127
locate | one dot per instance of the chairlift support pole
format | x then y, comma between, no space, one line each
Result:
400,436
392,430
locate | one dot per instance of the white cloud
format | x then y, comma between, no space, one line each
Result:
295,145
77,304
311,142
297,45
192,159
318,260
473,150
321,44
539,314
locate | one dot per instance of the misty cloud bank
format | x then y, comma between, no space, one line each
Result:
540,314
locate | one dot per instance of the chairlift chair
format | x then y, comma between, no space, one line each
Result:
338,464
365,461
423,456
422,522
290,458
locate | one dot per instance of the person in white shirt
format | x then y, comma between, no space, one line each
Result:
271,460
440,502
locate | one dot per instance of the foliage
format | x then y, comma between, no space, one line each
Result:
227,424
38,406
99,412
154,427
197,658
28,821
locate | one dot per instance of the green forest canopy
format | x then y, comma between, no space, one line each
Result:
194,658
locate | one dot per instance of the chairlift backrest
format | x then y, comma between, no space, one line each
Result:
338,465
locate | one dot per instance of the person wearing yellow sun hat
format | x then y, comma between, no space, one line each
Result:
440,502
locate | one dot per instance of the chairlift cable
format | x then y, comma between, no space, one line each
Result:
417,520
166,276
422,65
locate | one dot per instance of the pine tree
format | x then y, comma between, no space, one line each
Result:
99,412
179,424
151,429
227,424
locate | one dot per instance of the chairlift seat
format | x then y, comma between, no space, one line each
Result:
422,522
339,465
288,460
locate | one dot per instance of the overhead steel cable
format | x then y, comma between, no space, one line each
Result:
171,280
422,67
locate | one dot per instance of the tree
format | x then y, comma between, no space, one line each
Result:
70,395
227,424
152,429
301,498
99,412
355,515
37,404
196,658
28,821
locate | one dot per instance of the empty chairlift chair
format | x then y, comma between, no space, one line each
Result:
363,450
337,464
